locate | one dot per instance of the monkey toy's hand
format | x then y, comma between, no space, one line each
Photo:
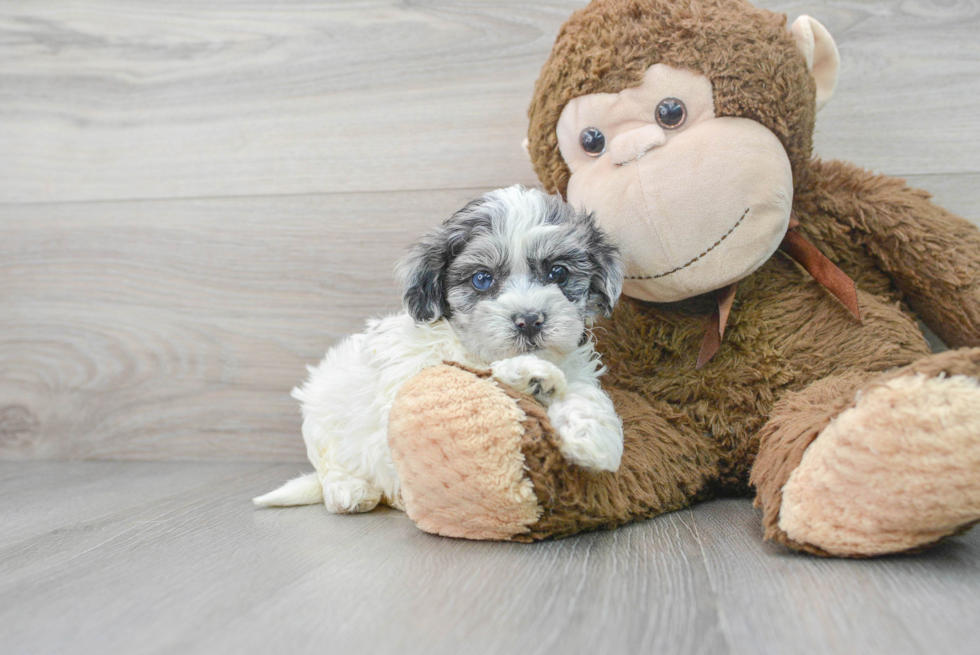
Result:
532,375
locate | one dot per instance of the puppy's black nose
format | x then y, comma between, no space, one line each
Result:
528,324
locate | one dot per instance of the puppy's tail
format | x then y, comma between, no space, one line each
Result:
304,490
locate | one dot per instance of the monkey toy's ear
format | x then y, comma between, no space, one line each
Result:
820,51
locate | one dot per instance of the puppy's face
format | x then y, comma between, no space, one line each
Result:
514,272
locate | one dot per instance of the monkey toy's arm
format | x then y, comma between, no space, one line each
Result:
930,254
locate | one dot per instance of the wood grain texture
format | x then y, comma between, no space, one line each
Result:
146,330
836,606
199,570
898,58
137,99
50,499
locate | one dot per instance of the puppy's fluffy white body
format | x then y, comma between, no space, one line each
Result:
348,396
508,234
347,399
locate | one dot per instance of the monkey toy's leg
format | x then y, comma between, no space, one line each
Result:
864,464
479,461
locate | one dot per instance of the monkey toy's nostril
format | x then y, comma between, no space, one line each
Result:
528,324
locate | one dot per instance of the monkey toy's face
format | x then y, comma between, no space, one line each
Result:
694,201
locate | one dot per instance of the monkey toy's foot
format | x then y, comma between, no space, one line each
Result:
897,470
480,460
455,437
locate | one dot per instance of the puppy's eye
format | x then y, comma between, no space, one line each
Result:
593,142
558,275
482,281
671,113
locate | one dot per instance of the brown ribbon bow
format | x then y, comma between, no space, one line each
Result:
806,255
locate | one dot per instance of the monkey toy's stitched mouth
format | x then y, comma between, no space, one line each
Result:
621,164
695,259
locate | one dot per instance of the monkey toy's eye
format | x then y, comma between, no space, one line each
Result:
671,113
558,275
593,142
482,281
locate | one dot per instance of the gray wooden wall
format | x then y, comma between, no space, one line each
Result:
196,198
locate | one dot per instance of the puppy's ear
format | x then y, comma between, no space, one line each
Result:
607,271
423,270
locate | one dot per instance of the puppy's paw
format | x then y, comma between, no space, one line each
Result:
532,375
345,494
585,453
591,440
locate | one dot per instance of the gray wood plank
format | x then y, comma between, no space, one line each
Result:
899,57
202,571
186,99
936,597
137,99
775,600
148,330
640,589
45,496
28,560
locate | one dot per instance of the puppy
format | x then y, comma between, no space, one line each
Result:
511,282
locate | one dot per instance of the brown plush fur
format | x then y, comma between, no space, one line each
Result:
793,357
666,465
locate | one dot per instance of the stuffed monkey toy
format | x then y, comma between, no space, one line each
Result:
767,340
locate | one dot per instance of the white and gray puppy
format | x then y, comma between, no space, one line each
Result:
511,282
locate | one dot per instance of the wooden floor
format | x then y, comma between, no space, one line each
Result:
197,198
110,557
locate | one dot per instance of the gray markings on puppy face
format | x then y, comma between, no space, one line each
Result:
514,272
